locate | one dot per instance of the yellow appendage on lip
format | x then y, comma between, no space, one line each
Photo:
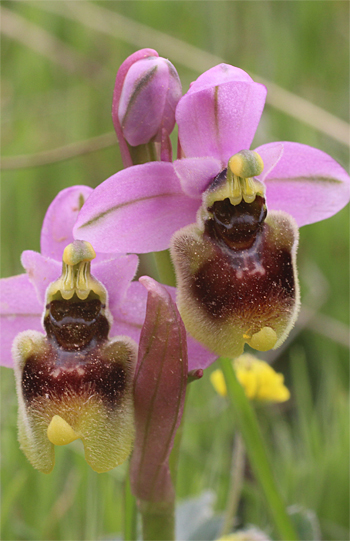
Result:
263,340
60,432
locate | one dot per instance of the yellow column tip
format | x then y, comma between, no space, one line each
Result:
246,164
77,252
236,164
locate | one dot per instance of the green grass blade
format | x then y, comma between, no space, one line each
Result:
130,513
256,451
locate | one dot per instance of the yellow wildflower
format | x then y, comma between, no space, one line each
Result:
258,378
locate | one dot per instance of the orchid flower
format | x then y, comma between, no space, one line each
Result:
230,215
74,382
92,324
23,296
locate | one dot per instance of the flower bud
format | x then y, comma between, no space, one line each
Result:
146,93
159,390
75,382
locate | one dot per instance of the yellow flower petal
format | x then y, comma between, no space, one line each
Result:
258,378
218,382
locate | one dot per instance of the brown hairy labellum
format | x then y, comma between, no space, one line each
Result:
236,273
75,382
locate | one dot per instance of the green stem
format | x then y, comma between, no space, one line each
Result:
158,520
130,513
256,451
236,484
148,152
165,267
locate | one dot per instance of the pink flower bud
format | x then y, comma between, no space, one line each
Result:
159,391
146,93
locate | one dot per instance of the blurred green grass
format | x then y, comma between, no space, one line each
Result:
302,46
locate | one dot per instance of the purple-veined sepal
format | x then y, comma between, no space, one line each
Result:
159,391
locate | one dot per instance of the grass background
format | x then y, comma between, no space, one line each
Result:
57,78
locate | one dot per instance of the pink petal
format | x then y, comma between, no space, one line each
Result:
220,120
271,155
20,311
129,317
195,174
136,210
123,70
41,271
116,274
307,183
198,355
222,73
56,232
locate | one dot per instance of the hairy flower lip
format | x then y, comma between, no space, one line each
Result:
238,289
65,394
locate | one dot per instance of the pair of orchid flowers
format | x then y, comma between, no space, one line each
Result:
230,216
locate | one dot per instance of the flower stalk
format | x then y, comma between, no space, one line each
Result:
158,520
165,267
130,513
236,484
256,451
144,153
